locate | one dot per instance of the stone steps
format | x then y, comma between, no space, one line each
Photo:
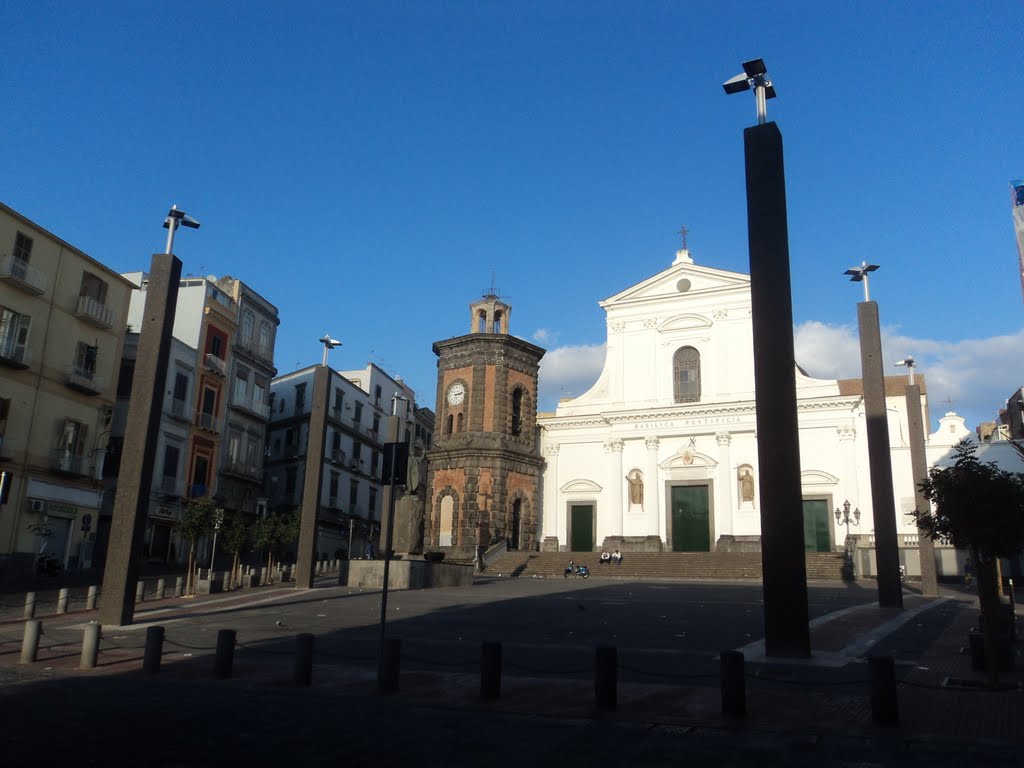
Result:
660,565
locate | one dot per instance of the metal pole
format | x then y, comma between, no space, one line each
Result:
172,224
762,105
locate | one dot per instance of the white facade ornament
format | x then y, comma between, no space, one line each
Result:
652,443
723,438
613,446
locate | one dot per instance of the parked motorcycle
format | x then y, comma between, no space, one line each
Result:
576,570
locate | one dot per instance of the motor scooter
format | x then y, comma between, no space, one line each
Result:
576,570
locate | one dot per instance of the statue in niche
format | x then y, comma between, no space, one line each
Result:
636,487
746,484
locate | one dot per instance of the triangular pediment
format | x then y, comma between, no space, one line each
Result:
683,279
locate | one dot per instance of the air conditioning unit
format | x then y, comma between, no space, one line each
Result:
37,505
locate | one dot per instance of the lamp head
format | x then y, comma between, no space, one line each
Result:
907,361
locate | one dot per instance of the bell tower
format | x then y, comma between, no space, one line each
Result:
484,469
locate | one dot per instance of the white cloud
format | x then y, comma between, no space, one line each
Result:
545,336
568,372
976,374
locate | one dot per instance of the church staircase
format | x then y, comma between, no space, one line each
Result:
659,565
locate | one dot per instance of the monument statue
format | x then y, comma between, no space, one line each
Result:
636,487
746,485
408,535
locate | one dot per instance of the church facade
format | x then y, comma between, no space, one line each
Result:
661,453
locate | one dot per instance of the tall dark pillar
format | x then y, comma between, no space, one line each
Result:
890,591
919,471
313,480
778,445
128,526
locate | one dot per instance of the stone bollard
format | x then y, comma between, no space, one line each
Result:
389,665
884,700
161,589
224,660
63,596
490,671
154,650
179,586
605,677
140,591
302,674
734,684
30,605
90,646
90,598
30,642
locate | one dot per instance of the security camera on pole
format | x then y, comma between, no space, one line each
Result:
883,508
919,473
128,524
786,629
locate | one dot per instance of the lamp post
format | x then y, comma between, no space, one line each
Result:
329,344
175,219
843,518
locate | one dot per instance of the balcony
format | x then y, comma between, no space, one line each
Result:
197,491
336,455
252,406
178,410
332,502
254,348
22,275
65,462
215,364
83,380
14,355
168,486
94,312
207,421
242,468
336,413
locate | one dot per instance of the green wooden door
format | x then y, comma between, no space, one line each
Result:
691,531
581,523
816,525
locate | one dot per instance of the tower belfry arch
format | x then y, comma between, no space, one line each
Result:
489,315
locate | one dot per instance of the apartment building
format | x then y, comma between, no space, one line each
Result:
350,502
63,318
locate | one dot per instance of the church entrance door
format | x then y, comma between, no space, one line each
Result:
816,525
517,523
691,531
581,527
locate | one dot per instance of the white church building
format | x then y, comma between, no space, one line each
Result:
661,453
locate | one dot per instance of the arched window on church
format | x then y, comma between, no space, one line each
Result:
481,320
497,323
448,426
517,411
686,375
460,422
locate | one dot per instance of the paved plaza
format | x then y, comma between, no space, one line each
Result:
668,635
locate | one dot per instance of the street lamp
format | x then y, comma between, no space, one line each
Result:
843,518
911,365
175,219
860,274
754,75
329,344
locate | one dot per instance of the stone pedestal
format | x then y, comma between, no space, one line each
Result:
408,525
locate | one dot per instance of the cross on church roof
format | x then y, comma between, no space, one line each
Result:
950,402
684,231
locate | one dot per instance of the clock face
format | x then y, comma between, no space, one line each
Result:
456,393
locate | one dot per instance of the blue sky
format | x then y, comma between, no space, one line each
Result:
365,166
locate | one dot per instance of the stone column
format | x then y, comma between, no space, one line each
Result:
652,492
613,449
313,482
726,484
919,467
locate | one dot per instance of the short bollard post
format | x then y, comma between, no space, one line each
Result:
388,665
225,657
302,674
62,599
90,646
734,684
154,650
140,591
605,677
30,642
179,586
884,700
90,598
490,671
30,605
161,589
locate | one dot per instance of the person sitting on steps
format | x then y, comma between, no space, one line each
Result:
605,557
617,557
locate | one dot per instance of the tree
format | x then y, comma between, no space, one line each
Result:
197,519
237,536
980,508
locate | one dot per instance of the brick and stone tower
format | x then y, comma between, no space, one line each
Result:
485,467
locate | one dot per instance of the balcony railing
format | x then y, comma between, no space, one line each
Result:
336,413
168,486
332,502
252,406
253,347
22,274
83,380
92,311
64,461
178,409
215,364
243,468
207,421
337,456
14,355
